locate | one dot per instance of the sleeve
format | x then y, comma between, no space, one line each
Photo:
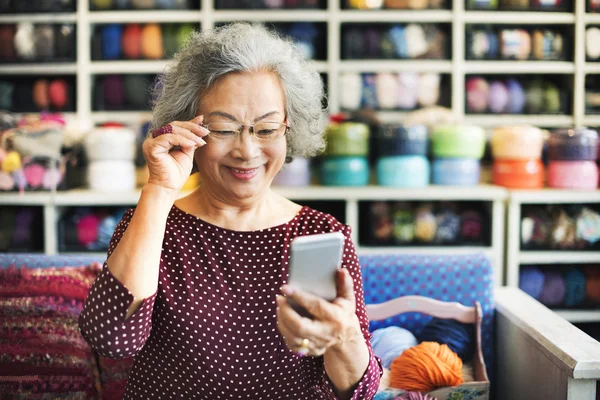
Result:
102,322
369,383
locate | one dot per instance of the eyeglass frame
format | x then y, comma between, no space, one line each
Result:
242,127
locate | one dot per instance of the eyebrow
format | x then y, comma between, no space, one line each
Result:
231,117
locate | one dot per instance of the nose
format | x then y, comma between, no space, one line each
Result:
246,145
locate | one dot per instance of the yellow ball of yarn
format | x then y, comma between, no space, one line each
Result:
12,162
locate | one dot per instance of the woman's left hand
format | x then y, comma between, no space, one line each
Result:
335,323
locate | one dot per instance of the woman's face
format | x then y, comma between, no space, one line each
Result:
244,166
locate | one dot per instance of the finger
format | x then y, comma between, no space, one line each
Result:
196,129
187,134
168,141
344,284
315,305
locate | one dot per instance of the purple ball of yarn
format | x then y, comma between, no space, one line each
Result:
414,396
498,100
531,281
114,90
554,290
516,96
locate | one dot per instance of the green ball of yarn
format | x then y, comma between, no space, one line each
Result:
184,32
534,97
551,98
170,39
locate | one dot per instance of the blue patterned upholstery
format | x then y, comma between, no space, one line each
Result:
31,260
462,278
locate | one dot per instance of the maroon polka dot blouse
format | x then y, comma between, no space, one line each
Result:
209,332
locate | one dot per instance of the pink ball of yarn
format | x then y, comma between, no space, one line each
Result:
87,229
414,396
34,173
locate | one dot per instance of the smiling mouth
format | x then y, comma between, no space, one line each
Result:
243,171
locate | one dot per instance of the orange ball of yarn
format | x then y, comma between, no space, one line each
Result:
426,367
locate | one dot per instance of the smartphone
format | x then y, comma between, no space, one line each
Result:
314,261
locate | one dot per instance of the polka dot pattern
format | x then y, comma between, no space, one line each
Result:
210,330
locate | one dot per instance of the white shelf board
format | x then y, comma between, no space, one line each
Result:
48,17
395,16
591,120
98,254
112,17
519,67
38,69
270,15
27,198
490,120
575,316
87,197
430,251
558,257
396,66
428,193
121,116
592,18
592,68
553,196
518,17
129,67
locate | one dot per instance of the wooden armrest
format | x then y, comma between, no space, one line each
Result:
435,308
564,345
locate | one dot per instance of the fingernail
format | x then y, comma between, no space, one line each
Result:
287,290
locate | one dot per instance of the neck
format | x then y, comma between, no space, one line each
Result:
248,214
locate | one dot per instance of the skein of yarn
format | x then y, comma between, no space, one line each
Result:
554,290
388,343
458,336
426,367
414,396
531,281
575,287
592,286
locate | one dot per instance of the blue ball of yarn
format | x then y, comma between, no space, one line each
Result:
531,281
111,41
575,287
554,289
388,343
459,337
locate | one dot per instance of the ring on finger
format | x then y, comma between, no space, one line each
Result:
303,350
163,130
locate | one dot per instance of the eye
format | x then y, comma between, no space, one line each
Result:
266,132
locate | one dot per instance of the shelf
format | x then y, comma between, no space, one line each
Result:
369,193
129,67
592,18
27,198
271,15
113,17
98,117
83,197
38,69
558,257
519,67
35,18
575,316
491,120
429,251
592,68
591,120
395,16
518,17
396,66
554,196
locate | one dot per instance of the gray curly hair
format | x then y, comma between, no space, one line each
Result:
243,47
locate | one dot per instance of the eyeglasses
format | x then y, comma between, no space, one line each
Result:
260,130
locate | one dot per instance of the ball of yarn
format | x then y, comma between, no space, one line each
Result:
554,289
531,281
414,396
24,40
478,92
114,90
58,94
498,97
11,162
40,94
111,41
426,367
456,335
34,173
575,287
87,229
152,44
137,91
388,343
592,286
6,181
516,96
132,41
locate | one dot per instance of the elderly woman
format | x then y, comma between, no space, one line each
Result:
195,287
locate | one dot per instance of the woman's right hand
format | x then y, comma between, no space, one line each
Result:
170,167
